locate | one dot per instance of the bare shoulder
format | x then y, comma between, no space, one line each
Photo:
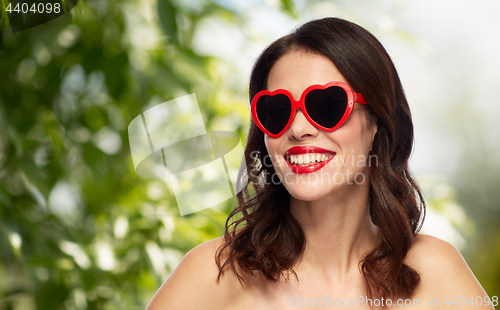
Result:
428,252
443,271
193,284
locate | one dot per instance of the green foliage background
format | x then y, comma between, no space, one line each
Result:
64,84
61,83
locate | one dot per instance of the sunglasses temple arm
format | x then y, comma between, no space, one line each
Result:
358,98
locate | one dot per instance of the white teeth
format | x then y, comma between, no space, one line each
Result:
307,159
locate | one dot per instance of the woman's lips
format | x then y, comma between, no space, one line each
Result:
305,158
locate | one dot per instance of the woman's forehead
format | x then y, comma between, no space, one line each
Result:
297,70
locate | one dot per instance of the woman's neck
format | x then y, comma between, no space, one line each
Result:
338,230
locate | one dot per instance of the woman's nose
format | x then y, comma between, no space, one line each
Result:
301,128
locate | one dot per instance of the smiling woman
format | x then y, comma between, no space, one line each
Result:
332,212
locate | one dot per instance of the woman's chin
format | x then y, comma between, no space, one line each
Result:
308,193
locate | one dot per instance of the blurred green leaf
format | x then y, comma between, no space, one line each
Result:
289,7
167,15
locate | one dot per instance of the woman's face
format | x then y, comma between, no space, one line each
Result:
348,146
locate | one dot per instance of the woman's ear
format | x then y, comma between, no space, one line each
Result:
374,127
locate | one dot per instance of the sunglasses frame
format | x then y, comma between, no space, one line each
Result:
352,97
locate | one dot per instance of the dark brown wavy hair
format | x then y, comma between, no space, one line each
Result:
262,234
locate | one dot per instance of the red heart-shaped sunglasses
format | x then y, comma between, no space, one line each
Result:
326,106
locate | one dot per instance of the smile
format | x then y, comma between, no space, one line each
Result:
307,159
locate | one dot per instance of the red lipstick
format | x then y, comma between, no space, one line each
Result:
306,150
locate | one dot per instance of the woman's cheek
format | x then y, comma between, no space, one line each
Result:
272,149
279,162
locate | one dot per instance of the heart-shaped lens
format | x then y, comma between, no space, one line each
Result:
326,106
274,112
